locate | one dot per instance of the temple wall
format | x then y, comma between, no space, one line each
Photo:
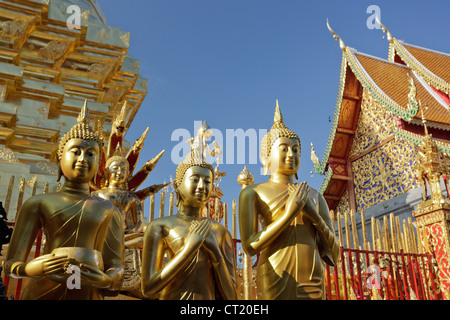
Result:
382,168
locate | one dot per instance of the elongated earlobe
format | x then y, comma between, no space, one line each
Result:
266,167
266,170
59,172
296,176
177,198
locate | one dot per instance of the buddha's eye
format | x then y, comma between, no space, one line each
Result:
76,151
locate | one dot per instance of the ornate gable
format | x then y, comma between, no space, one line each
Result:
367,161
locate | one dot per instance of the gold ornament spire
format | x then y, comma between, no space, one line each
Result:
335,36
245,178
314,157
119,121
385,30
424,120
197,155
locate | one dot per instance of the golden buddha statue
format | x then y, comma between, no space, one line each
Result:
199,250
81,230
296,232
129,202
117,171
116,182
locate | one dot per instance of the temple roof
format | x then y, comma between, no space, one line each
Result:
393,80
400,88
431,65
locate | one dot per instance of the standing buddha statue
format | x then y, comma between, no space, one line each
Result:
200,251
81,229
296,232
117,182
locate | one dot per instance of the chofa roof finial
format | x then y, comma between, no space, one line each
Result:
335,36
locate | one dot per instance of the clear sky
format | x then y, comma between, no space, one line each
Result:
227,61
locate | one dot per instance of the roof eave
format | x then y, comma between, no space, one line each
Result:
431,78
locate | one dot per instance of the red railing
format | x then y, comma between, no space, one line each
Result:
375,275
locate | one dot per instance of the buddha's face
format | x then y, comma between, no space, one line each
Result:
195,189
118,171
79,161
285,156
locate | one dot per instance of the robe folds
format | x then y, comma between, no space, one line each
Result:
291,266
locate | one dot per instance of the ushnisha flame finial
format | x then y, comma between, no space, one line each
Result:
385,30
83,117
278,117
335,36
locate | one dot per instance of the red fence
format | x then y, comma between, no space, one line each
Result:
377,275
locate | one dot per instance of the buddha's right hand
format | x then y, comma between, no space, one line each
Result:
46,265
298,195
197,235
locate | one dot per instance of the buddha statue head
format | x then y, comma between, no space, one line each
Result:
280,148
117,171
79,150
193,180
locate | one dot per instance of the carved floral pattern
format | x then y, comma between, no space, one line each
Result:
439,239
384,173
374,125
387,171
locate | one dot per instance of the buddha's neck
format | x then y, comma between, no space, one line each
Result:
116,185
75,187
282,178
190,211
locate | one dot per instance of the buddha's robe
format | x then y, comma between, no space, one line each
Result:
291,266
88,230
200,279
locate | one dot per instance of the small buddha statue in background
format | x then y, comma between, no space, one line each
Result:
199,250
117,173
296,232
117,182
81,229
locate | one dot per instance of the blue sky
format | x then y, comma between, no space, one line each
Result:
227,61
